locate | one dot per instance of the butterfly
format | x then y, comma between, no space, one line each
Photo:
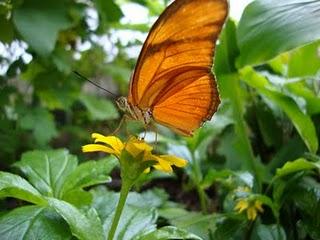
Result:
172,83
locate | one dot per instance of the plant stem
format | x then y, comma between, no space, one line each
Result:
241,128
125,188
203,199
197,180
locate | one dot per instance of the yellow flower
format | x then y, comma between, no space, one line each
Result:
135,147
252,207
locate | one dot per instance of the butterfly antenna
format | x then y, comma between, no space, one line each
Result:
83,77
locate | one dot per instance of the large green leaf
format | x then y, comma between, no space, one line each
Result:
193,222
47,170
45,128
39,23
168,232
83,225
99,108
15,186
228,228
134,221
298,165
301,121
88,174
299,67
138,217
270,27
274,232
32,222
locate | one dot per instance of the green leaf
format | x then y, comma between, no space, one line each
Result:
133,222
268,125
274,232
6,35
32,222
55,90
168,232
193,222
88,174
153,198
298,165
40,22
99,108
227,50
306,196
47,170
109,11
228,228
85,226
62,59
268,28
290,151
12,185
299,67
45,128
214,175
299,89
78,197
139,215
301,121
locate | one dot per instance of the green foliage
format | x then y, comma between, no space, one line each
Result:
99,109
301,121
169,233
261,146
54,175
49,17
44,120
282,29
33,221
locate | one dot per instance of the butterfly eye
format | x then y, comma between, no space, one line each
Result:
122,103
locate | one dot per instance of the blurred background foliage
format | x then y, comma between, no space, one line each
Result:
268,71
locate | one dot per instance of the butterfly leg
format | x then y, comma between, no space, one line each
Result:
154,129
145,131
123,120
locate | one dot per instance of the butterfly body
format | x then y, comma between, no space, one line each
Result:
172,83
134,112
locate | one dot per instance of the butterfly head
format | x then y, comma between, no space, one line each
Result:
123,104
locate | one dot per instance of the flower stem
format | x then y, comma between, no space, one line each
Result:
125,188
203,199
197,180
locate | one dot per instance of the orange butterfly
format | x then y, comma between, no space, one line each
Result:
172,82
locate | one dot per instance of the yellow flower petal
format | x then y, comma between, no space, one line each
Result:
135,146
258,206
112,141
97,148
251,213
166,169
173,160
241,205
162,164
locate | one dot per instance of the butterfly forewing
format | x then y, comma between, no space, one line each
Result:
173,75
